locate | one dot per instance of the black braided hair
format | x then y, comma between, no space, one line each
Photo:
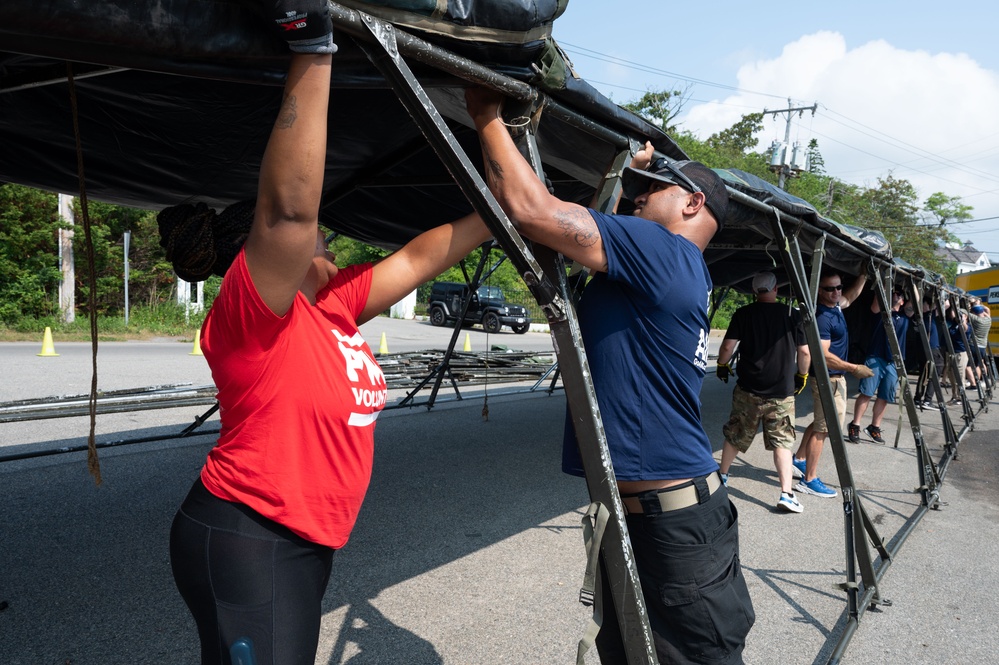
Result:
230,230
199,242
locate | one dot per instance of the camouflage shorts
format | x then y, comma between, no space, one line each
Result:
749,410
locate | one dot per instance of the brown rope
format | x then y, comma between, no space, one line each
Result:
93,464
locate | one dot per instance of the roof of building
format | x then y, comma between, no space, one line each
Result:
966,254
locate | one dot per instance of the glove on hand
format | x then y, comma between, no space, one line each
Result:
723,372
305,25
799,383
862,371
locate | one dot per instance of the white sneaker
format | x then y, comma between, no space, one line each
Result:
789,503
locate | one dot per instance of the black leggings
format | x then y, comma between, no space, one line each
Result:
245,577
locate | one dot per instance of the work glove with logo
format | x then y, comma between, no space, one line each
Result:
305,25
724,371
799,382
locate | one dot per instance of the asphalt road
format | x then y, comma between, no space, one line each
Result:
468,549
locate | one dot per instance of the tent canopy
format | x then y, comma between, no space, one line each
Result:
175,101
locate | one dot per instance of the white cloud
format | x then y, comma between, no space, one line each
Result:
926,117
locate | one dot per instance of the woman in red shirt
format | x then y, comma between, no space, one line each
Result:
299,390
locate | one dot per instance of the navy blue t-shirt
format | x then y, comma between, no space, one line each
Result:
832,326
645,329
879,347
956,338
932,331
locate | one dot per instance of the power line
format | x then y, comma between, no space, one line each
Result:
688,99
939,159
891,161
878,135
614,60
908,147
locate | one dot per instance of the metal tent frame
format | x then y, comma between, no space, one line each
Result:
544,273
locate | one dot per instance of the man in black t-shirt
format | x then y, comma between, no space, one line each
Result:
772,346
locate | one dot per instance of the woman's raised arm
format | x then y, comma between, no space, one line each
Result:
282,241
420,260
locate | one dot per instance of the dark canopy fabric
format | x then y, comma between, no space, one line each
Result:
748,243
175,100
182,94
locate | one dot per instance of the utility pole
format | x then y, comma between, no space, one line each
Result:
778,157
125,240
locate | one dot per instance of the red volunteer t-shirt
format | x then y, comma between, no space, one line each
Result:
299,396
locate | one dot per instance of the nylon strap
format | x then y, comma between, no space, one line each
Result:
594,524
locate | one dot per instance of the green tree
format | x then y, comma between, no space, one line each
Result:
944,209
892,209
29,260
816,164
505,276
816,189
150,276
660,107
738,139
731,301
350,252
730,148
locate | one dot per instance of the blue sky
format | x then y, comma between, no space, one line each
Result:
908,89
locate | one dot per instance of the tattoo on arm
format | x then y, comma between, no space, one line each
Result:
495,169
578,224
288,113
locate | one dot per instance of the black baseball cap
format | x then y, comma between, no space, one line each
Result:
692,176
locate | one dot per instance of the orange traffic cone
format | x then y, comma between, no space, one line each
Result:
196,349
48,348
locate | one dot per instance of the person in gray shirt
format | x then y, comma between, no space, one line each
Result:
981,323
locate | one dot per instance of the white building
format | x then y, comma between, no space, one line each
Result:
967,257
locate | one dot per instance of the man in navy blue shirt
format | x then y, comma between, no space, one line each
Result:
835,340
957,327
644,323
885,378
923,392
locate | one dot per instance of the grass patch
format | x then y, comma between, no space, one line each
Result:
144,323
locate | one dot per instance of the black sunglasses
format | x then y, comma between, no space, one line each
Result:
662,165
830,289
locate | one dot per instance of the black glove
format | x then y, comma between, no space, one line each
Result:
305,25
723,372
799,382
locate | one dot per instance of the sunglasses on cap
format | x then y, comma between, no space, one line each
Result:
661,164
830,289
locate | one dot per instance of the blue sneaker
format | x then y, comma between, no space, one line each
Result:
816,487
797,467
